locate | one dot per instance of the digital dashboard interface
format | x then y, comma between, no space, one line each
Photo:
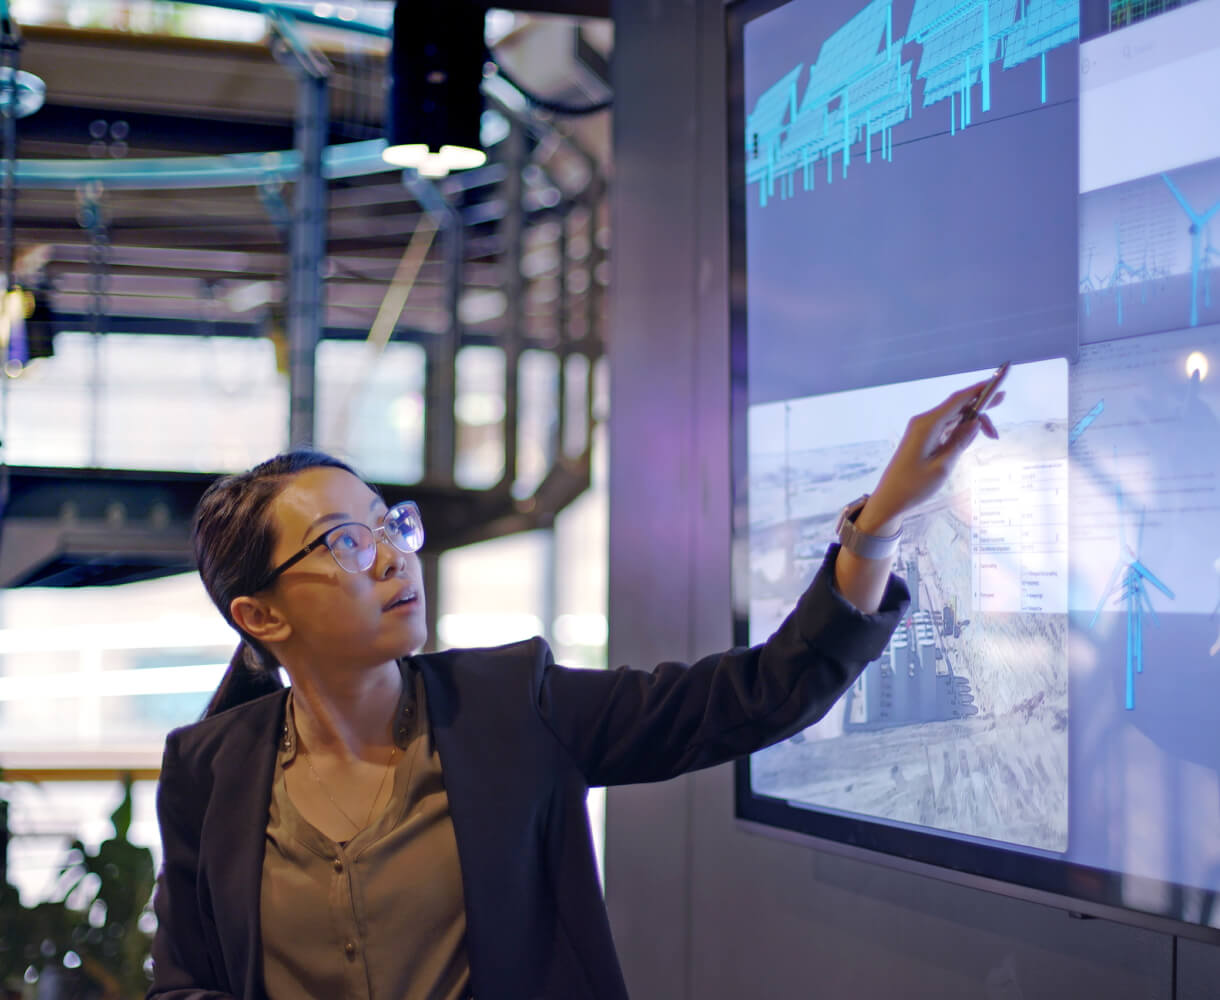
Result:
921,190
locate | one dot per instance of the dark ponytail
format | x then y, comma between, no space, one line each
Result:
245,679
233,538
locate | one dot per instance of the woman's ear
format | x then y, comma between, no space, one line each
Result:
259,620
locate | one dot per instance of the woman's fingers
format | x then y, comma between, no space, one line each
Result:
929,449
954,409
949,415
957,402
960,437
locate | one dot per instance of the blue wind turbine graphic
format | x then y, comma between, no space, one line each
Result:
1127,583
1124,271
1088,285
1200,251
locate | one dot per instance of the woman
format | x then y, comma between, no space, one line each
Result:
414,826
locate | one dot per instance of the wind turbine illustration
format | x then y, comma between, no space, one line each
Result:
1199,251
1088,286
1123,270
1127,583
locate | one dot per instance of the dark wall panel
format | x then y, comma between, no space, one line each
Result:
781,919
651,462
1198,971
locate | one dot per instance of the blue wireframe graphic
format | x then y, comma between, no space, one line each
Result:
860,87
960,39
1200,251
774,110
1127,584
1041,26
1082,424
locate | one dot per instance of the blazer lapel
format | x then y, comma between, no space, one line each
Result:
234,838
462,773
497,773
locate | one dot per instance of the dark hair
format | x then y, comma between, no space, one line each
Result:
233,540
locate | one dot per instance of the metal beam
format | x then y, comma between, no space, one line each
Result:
307,235
158,134
77,527
201,327
573,8
350,159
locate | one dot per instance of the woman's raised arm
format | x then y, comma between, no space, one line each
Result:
925,457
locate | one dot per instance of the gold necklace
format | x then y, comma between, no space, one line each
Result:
343,812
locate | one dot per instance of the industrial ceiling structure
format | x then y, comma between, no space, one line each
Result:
518,259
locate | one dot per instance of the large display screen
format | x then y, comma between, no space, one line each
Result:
921,190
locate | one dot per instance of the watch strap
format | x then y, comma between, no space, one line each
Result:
861,543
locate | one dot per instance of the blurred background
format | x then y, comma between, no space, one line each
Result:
207,259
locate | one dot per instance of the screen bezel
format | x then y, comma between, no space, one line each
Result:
1079,889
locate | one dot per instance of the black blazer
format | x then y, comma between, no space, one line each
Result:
520,740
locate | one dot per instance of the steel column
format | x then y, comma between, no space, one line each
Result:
10,48
307,250
593,294
512,232
440,384
430,567
563,349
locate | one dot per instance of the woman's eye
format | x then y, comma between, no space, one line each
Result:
345,540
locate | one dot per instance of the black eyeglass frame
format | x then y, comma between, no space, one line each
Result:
322,541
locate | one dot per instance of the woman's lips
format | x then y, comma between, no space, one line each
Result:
404,599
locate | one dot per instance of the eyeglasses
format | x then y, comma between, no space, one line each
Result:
354,545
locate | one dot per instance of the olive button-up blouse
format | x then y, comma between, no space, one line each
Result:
380,917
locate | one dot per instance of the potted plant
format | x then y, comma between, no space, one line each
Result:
89,941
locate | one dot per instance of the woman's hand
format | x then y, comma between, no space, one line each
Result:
924,459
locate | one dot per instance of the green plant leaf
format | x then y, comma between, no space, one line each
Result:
121,817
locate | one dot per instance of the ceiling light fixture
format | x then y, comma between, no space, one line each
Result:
435,105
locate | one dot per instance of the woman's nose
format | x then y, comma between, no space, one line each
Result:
397,561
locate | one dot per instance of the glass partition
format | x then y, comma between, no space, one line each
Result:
97,676
140,401
479,410
370,407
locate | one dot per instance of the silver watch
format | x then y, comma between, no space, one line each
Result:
864,545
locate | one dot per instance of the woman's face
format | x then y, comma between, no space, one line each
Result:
361,619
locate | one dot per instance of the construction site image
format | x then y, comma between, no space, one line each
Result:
962,724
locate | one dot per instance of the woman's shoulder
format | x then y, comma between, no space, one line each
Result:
247,724
525,654
479,673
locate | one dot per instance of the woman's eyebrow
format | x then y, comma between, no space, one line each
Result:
340,517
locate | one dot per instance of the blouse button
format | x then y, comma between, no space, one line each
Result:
338,865
349,949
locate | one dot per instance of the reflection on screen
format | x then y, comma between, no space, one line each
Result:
934,187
